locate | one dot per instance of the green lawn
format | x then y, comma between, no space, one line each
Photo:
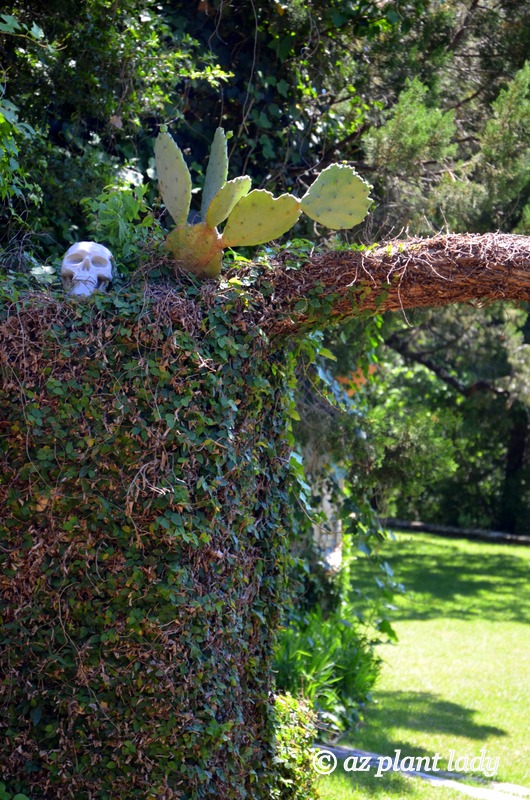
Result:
393,787
459,678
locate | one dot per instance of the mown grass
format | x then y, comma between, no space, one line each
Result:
394,786
459,677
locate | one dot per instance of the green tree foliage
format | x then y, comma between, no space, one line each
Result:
13,182
413,135
282,77
465,374
474,68
299,85
89,77
505,148
431,180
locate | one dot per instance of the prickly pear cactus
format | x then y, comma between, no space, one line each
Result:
196,248
216,171
338,198
225,200
174,178
260,217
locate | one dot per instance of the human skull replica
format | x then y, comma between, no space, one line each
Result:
86,268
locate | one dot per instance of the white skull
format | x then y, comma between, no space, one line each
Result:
86,268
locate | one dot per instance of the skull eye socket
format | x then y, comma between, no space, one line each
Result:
75,258
100,262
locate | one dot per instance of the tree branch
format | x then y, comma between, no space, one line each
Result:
466,390
463,29
397,276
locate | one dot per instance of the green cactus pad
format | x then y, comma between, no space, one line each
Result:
225,200
339,198
174,178
197,249
260,217
216,172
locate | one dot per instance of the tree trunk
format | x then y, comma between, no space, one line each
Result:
144,494
511,506
327,532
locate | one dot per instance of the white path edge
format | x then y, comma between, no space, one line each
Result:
495,791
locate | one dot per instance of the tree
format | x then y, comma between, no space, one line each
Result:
144,488
466,369
300,85
90,78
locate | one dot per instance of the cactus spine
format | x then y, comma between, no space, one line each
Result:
338,198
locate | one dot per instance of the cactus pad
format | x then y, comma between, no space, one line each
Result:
225,200
174,178
339,198
216,172
197,249
260,217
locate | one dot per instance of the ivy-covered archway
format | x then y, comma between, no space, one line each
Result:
145,517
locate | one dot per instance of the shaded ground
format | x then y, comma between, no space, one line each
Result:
454,578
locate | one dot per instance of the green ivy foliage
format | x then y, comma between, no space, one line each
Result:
144,534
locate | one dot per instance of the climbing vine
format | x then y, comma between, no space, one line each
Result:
144,542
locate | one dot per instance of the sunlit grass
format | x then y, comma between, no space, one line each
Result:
459,678
340,786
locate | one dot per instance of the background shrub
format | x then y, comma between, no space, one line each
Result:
331,663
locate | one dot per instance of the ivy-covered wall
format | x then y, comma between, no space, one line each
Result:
143,542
